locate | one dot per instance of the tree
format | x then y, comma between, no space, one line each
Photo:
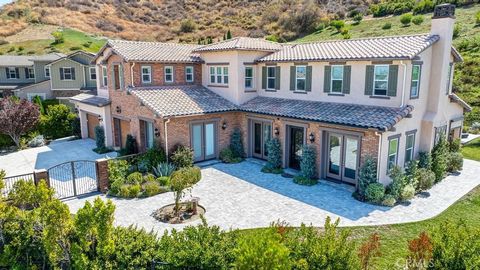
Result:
420,252
369,250
367,175
439,158
100,137
236,143
17,118
58,122
183,179
229,34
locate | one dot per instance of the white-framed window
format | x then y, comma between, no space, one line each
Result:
271,79
46,70
415,84
104,76
146,74
218,75
169,74
449,77
336,82
189,77
380,80
31,96
392,152
29,73
12,73
300,78
67,74
249,78
93,73
409,147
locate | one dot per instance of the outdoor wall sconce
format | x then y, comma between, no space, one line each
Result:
76,110
311,137
157,132
100,119
276,131
224,125
118,109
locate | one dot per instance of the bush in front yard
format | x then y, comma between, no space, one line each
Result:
411,172
408,192
227,156
308,166
117,173
454,161
398,182
76,129
134,178
151,188
425,160
182,157
57,123
152,157
454,145
236,144
388,200
301,180
366,176
99,137
374,192
274,159
426,179
439,159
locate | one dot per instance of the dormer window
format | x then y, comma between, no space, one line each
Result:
146,74
380,83
169,74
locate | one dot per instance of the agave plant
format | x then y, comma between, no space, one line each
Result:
164,169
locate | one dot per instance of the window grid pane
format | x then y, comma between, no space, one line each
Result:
270,77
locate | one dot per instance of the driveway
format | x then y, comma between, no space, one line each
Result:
26,161
240,196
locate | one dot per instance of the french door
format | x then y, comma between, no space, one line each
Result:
296,141
261,132
204,140
343,151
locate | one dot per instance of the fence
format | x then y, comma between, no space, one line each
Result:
11,180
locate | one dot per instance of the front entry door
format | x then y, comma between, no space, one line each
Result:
92,122
261,133
204,141
296,141
342,157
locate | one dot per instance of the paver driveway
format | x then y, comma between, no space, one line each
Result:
240,196
26,161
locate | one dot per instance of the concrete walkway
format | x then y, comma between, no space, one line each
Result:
240,196
44,157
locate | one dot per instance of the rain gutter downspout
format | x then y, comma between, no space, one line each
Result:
165,130
379,135
404,82
131,74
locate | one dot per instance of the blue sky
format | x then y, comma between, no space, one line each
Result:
3,2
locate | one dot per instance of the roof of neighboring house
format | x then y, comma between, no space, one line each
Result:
182,100
153,51
91,100
26,60
242,43
457,58
461,102
47,57
13,86
362,116
69,57
29,85
379,48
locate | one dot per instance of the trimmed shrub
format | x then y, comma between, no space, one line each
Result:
117,172
405,19
477,18
183,179
164,169
411,172
99,137
358,18
426,179
398,182
456,31
227,156
388,200
337,24
152,188
57,123
425,160
236,144
366,176
134,178
305,181
454,146
130,146
387,26
274,159
408,192
454,161
374,192
164,181
149,178
308,166
152,157
76,129
129,191
417,20
439,158
182,157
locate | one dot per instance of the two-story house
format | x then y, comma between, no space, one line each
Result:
384,97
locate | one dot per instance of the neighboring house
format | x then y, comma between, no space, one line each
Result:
386,97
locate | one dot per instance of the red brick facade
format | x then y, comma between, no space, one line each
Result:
158,74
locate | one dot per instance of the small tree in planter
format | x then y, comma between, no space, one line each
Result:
439,158
274,159
236,144
182,157
308,167
366,176
181,180
99,139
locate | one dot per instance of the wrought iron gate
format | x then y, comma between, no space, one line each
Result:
73,178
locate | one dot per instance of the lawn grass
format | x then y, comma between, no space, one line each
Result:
471,150
73,40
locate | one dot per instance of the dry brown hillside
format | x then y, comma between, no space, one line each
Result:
180,20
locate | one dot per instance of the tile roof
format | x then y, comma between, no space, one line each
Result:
363,116
154,51
242,43
461,102
182,100
396,47
91,100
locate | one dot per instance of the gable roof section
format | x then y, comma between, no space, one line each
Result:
153,51
91,100
47,57
461,102
69,57
377,48
362,116
242,43
169,101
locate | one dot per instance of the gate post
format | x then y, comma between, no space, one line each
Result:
102,174
39,175
72,166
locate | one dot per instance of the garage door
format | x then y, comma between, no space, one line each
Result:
92,122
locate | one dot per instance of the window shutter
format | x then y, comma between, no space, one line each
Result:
327,77
7,70
277,78
112,78
120,71
73,73
26,73
392,80
264,77
308,83
292,78
62,77
369,80
17,73
347,72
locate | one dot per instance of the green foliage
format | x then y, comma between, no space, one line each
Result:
375,192
99,137
26,195
308,166
406,18
423,6
358,18
134,178
208,247
274,158
117,173
164,169
454,162
164,181
387,26
455,246
37,100
182,157
395,7
229,34
398,182
151,158
236,144
305,181
130,146
58,37
477,18
388,200
439,159
76,129
6,141
227,156
426,179
58,122
417,20
411,173
337,24
454,145
183,179
187,26
408,192
456,31
425,160
152,188
262,251
366,176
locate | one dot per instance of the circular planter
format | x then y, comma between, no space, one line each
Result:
166,214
